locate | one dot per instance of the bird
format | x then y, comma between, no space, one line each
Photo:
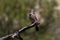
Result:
33,17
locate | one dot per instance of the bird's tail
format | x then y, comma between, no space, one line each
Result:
37,28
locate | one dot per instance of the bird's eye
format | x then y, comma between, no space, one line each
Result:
29,14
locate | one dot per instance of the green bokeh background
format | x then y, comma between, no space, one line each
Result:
17,10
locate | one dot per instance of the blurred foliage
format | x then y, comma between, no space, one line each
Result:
14,12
